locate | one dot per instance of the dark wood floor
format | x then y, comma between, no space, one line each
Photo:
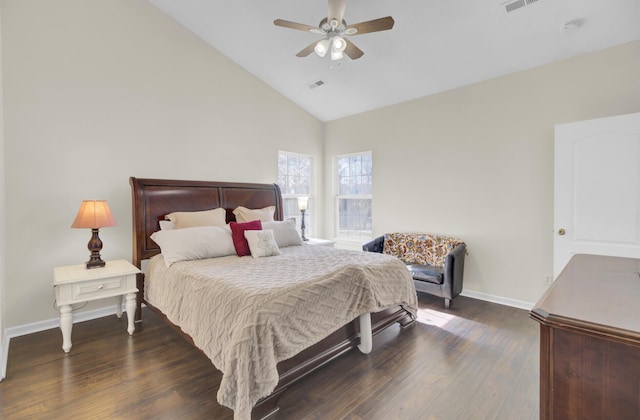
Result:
476,361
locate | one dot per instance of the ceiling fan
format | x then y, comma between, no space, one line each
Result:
334,28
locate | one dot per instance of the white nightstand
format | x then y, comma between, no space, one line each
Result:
76,283
321,242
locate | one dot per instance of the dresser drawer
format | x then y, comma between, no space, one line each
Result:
102,287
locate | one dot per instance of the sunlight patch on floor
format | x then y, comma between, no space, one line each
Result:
431,317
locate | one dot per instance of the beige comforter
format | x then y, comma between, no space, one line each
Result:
249,314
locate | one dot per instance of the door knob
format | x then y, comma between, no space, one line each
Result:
561,232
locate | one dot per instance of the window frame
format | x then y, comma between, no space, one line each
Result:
354,235
309,212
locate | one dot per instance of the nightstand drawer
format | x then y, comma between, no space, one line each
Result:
101,287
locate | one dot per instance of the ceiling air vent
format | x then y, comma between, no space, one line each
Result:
514,5
510,6
315,84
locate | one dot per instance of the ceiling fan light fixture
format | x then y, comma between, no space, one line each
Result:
322,47
338,44
334,31
336,55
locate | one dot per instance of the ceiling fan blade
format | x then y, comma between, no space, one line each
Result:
298,26
307,50
352,51
381,24
336,10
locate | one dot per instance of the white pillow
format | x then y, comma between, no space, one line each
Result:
244,214
284,232
166,225
185,219
194,243
261,243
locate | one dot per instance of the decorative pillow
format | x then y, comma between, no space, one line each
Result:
420,248
166,225
194,243
284,232
237,233
185,219
244,214
261,243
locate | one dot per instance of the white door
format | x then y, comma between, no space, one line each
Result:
597,188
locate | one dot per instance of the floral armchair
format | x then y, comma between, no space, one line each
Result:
436,262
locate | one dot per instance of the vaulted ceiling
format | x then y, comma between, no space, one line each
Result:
435,45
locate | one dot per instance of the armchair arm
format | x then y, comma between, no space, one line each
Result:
453,272
375,245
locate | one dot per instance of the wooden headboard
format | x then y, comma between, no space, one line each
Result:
152,199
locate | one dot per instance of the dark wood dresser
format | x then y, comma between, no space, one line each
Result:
590,340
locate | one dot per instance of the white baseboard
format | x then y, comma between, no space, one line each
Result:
521,304
5,355
110,310
55,322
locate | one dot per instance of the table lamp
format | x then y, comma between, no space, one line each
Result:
94,214
302,206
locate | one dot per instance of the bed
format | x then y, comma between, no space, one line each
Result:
152,199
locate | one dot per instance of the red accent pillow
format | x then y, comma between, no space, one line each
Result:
237,233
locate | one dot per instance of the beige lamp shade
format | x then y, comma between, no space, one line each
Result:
94,214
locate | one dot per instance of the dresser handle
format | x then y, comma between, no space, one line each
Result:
101,286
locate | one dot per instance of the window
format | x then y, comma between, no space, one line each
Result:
294,179
354,199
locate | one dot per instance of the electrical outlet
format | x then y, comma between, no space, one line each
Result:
547,280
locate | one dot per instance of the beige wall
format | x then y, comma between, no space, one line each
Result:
97,91
477,162
3,350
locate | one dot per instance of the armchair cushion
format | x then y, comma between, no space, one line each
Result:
426,273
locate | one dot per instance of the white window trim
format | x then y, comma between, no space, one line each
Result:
311,170
336,187
311,207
